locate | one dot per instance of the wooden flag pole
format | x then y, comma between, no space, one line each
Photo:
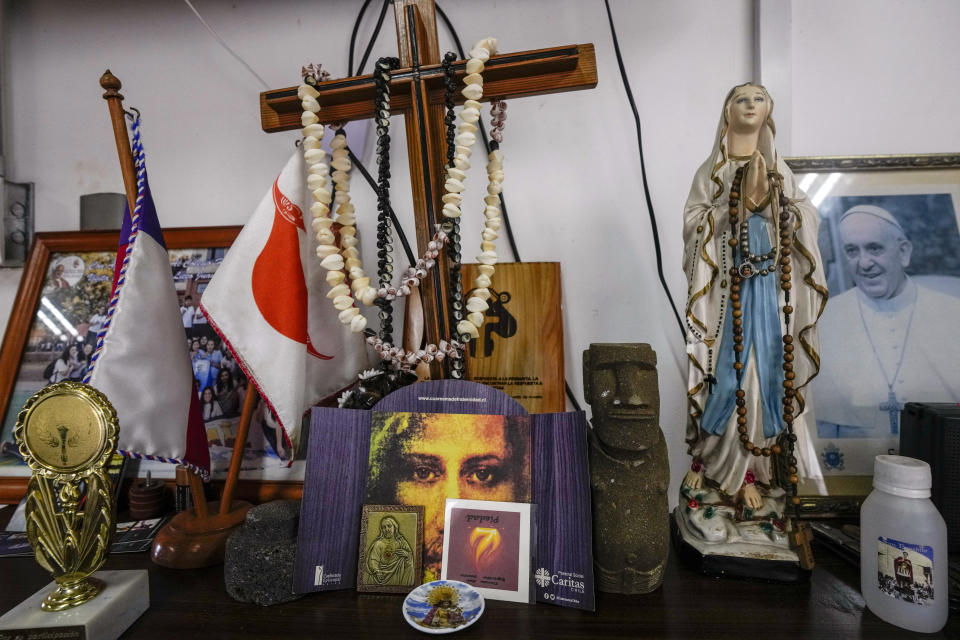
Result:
197,537
249,404
111,85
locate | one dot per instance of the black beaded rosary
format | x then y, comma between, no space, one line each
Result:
449,230
452,225
381,78
396,369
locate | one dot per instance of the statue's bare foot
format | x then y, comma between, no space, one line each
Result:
694,479
752,497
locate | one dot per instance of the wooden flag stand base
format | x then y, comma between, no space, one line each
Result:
197,537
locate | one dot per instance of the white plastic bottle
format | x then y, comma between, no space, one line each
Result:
903,547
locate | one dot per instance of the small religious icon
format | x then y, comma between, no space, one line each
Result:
391,543
443,606
753,345
445,610
67,433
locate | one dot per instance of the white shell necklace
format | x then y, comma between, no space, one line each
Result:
344,265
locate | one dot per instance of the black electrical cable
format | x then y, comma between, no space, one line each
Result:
453,32
353,158
373,38
643,171
353,34
503,203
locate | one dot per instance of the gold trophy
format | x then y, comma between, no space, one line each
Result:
67,433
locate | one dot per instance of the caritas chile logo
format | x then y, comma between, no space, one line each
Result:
572,581
542,576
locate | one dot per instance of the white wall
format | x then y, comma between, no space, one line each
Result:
573,173
875,77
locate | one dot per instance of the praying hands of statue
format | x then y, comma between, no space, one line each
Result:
755,184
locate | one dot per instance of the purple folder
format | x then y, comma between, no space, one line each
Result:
335,483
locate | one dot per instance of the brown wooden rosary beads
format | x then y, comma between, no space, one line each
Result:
737,275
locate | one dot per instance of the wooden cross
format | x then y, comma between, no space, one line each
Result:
416,91
800,538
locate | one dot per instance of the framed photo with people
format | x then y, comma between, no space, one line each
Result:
890,240
61,306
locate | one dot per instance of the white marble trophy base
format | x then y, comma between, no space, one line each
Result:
125,596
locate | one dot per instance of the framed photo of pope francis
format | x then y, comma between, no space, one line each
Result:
58,311
890,240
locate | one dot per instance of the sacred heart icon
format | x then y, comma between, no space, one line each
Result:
485,543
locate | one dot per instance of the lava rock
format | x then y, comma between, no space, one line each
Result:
258,565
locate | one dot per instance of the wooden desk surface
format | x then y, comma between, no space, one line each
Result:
195,604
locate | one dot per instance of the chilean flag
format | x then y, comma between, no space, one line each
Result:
266,302
141,362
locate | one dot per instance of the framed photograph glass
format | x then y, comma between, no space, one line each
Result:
391,548
60,307
890,241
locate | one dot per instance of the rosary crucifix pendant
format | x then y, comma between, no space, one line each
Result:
892,407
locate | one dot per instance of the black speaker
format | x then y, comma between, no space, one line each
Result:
930,431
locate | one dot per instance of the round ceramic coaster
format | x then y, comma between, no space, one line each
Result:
443,606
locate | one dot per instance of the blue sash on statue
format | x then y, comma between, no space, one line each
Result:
761,335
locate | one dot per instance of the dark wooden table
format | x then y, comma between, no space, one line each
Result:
195,604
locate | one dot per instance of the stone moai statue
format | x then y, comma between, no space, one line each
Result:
629,471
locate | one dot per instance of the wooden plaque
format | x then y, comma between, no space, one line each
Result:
520,349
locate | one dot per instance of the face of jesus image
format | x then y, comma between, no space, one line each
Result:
388,528
423,459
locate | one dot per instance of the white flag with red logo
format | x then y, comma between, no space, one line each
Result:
266,302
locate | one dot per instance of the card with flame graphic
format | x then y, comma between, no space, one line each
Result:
487,545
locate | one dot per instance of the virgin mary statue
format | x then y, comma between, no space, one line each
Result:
755,291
